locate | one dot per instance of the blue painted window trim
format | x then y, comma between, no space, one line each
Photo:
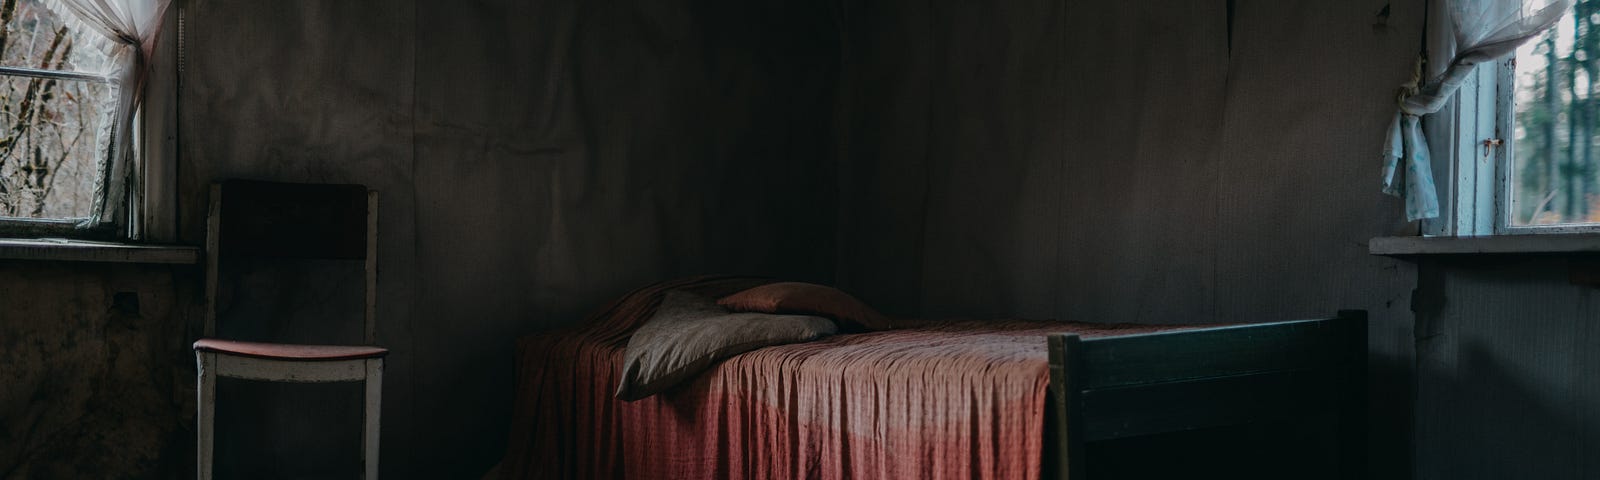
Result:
1475,183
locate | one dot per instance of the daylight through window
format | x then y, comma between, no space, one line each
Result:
56,108
1552,180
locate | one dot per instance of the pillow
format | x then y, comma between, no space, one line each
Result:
690,332
809,299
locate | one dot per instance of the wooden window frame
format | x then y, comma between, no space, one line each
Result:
1473,173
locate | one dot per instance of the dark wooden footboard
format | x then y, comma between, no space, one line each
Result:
1118,387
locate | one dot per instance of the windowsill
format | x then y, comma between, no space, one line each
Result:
57,249
1542,244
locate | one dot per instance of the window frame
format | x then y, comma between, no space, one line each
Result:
1476,178
64,227
154,199
151,207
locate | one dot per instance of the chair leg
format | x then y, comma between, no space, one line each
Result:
374,409
206,405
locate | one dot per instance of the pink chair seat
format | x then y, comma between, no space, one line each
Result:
290,352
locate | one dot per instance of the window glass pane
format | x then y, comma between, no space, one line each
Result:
36,38
1557,122
50,128
48,146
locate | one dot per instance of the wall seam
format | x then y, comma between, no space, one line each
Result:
411,320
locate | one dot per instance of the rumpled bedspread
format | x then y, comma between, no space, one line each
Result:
962,399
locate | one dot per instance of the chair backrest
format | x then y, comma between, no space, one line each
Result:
257,219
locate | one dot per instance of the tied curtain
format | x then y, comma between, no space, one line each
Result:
129,29
1461,34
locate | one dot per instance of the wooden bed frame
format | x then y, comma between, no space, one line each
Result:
1119,387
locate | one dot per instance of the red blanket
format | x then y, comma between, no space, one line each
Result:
945,400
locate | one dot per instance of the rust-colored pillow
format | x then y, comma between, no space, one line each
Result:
689,333
808,299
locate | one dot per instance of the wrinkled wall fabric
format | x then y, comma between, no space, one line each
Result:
533,158
1294,197
1129,162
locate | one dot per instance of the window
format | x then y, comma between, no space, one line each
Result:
1551,181
57,109
1527,148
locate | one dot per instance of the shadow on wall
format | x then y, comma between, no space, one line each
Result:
1499,420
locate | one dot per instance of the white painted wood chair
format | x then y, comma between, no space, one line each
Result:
282,220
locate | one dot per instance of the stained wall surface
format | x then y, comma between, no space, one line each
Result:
91,376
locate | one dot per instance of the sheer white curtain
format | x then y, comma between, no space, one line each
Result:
1461,34
129,28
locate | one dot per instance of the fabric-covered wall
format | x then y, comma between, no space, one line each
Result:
1130,162
534,159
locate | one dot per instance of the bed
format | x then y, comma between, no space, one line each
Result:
952,399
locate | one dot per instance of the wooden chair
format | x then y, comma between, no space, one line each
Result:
251,219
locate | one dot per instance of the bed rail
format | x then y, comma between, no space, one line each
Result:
1118,387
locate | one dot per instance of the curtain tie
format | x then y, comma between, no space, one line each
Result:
1411,87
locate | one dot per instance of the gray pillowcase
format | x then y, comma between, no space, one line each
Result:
690,332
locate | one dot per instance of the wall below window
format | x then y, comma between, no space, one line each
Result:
92,377
1507,353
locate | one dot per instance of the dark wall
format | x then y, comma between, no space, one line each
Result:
1507,350
91,377
1170,161
534,159
1103,161
955,128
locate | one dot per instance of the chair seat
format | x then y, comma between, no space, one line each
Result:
290,352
